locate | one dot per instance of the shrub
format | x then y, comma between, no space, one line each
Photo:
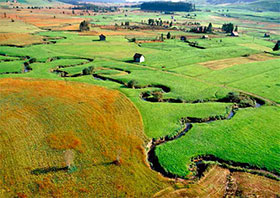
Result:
158,96
84,26
88,71
132,84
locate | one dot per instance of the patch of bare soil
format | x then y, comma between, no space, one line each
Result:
229,62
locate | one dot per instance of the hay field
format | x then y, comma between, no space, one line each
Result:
41,119
19,39
225,63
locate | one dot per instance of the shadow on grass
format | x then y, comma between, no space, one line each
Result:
129,61
115,162
40,171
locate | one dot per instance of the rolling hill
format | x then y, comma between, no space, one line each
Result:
269,5
41,119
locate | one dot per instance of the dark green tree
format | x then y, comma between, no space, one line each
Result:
161,37
210,28
276,47
88,71
132,84
84,26
228,28
168,36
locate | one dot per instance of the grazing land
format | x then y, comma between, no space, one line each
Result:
203,108
71,116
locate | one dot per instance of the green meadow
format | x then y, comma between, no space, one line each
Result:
251,136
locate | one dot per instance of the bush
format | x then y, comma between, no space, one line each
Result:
132,84
88,71
158,96
84,26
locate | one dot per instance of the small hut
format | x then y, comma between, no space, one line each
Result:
234,34
102,37
205,37
266,35
139,58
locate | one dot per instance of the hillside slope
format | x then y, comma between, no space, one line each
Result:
36,2
269,5
40,120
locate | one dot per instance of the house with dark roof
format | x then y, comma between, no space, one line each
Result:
266,35
102,37
139,58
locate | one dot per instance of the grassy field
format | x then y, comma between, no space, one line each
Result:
34,111
15,66
227,64
241,144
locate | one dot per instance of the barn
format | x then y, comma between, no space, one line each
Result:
139,58
235,34
102,37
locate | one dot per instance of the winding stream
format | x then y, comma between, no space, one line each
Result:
187,122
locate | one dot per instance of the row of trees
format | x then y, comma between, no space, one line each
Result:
95,8
203,29
168,6
159,22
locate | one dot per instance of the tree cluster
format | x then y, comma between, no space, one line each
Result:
168,6
95,8
229,28
202,29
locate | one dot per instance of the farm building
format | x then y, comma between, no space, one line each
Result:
277,45
183,38
139,58
205,37
102,37
266,35
235,34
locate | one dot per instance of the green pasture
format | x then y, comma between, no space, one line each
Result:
252,136
15,66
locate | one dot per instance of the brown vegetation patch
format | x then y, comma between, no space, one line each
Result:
36,117
44,18
249,185
19,39
220,182
229,62
64,141
211,185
